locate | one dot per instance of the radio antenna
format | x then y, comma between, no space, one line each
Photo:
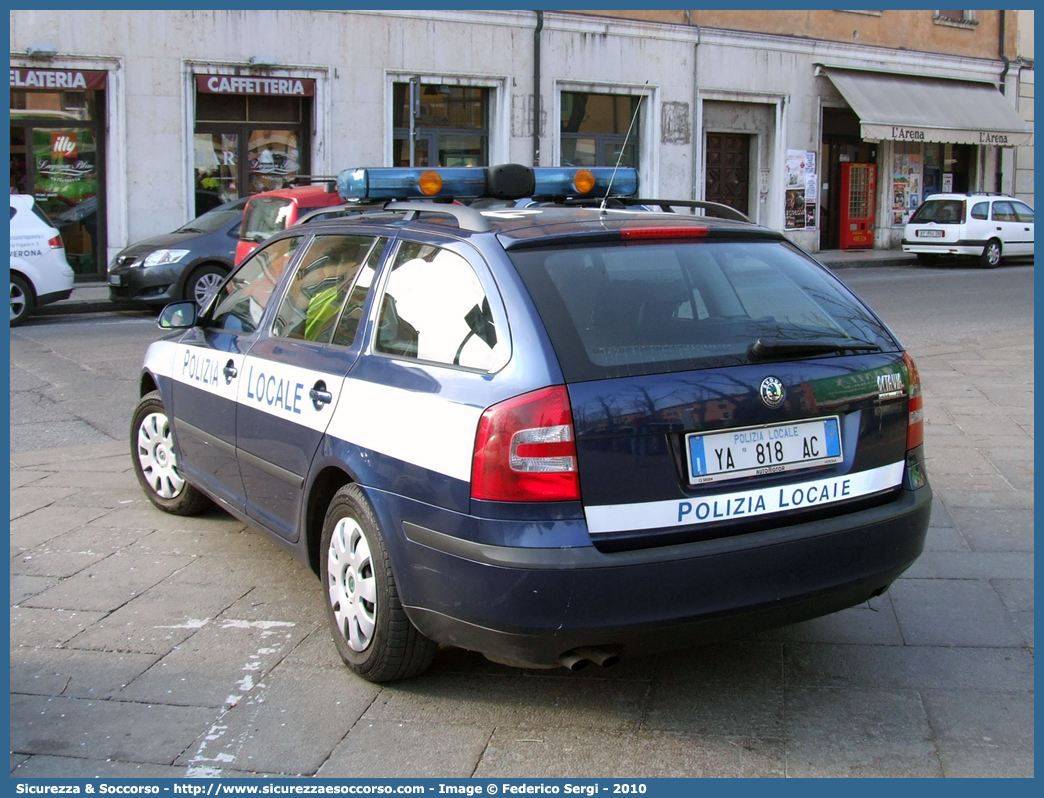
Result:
627,138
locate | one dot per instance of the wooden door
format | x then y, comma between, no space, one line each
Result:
728,170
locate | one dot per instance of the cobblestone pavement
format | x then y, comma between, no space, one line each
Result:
148,645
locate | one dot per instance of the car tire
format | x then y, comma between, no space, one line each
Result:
368,623
202,282
22,300
991,254
156,464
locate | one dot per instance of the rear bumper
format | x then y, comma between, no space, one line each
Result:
54,296
530,606
958,248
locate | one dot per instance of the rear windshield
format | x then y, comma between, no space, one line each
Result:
940,212
265,217
630,309
43,217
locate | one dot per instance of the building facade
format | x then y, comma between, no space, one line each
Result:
830,125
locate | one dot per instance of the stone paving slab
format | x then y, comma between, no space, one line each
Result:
67,767
46,627
109,584
286,725
47,523
982,735
560,753
384,749
1003,670
95,729
972,565
857,733
218,665
990,529
75,672
160,619
513,701
953,612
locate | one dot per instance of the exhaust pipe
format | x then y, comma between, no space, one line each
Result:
580,657
600,656
573,661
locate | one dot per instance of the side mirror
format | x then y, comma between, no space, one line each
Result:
178,316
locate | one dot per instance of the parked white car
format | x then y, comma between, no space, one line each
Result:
40,274
984,226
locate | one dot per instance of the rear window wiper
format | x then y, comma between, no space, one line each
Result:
775,349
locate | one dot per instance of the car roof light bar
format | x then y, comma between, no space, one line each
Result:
567,181
506,181
396,183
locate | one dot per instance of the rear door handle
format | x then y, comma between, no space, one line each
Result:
319,395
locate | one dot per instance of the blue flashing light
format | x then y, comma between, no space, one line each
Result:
560,181
388,183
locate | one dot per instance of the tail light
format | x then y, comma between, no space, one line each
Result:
915,429
56,242
525,450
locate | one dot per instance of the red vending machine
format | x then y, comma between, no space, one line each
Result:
858,181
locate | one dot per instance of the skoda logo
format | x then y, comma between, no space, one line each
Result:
772,392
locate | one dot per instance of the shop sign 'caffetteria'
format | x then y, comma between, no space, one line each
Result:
231,84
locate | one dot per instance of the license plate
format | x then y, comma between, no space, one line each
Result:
930,233
766,449
114,279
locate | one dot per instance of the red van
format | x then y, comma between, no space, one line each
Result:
273,211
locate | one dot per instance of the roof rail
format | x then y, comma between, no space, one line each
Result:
713,208
306,180
336,211
467,218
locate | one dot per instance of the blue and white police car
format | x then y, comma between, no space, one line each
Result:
554,434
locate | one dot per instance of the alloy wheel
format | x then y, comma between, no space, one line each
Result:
205,287
18,301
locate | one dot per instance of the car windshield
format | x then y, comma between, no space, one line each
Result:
630,309
948,211
214,220
265,216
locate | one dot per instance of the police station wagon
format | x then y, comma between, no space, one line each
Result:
555,434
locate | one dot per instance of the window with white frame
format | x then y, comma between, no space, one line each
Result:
594,129
450,124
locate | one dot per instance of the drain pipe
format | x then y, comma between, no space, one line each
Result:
696,136
536,88
999,178
1004,58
